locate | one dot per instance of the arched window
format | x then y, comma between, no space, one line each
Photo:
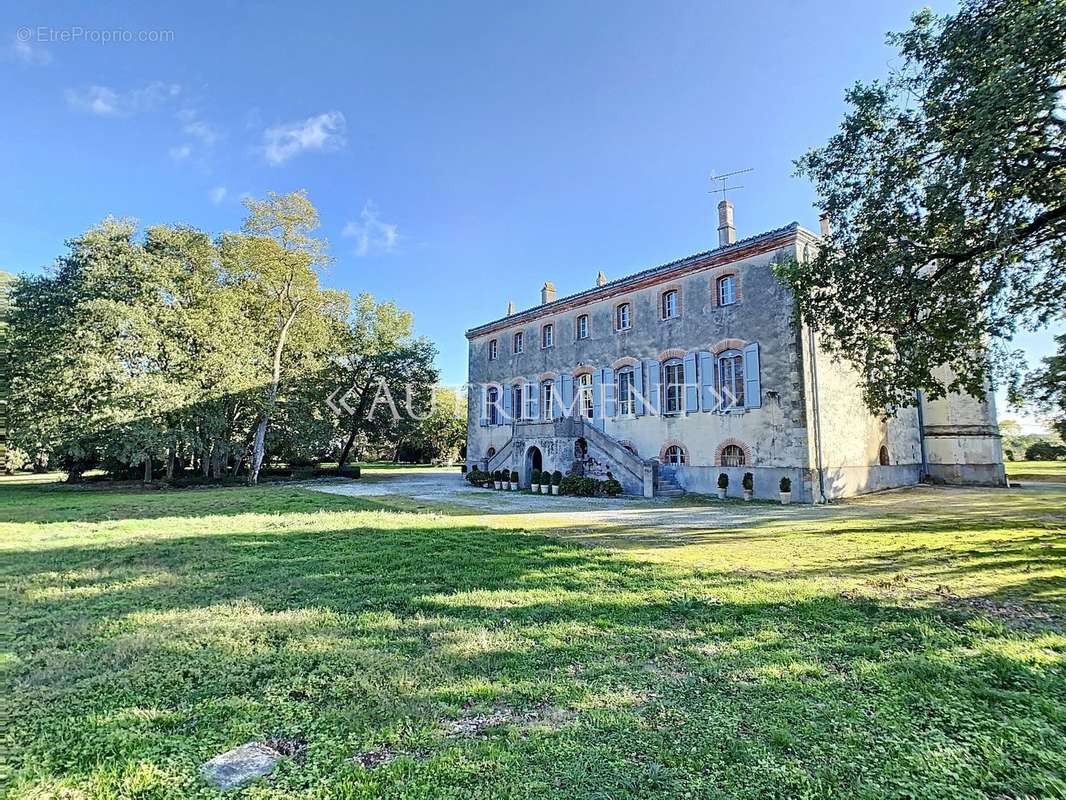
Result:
518,343
670,307
626,392
581,449
490,453
623,317
731,379
547,390
516,401
583,326
675,455
882,456
547,336
673,387
492,401
733,456
727,290
584,393
492,350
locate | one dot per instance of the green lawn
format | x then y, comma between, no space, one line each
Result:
896,650
1037,470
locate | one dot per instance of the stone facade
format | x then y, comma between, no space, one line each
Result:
689,357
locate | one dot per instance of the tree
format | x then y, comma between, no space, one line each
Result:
274,263
6,281
946,191
1045,387
438,434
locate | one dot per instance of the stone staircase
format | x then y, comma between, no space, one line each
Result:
666,486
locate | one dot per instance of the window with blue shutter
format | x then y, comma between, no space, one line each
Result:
532,401
691,389
566,395
610,404
708,398
510,394
752,381
638,389
652,396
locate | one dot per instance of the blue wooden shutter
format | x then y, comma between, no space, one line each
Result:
752,383
597,399
691,389
566,395
508,405
483,420
707,396
638,389
610,404
533,401
654,404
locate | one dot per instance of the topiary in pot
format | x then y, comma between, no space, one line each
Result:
534,481
514,480
748,482
723,484
497,479
557,480
786,491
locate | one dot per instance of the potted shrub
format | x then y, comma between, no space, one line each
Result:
748,482
505,476
497,481
514,481
557,480
786,491
723,484
534,482
545,482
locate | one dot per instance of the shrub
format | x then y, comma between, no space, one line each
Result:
557,478
535,478
748,482
612,488
472,476
514,477
723,480
785,485
1045,451
578,486
496,475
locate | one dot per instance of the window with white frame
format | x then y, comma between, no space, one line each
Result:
669,304
731,379
547,336
516,401
727,290
584,391
583,326
675,454
492,350
673,387
626,392
492,403
547,388
733,456
518,344
623,317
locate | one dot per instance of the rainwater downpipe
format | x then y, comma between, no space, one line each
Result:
817,416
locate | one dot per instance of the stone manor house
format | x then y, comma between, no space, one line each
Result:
670,376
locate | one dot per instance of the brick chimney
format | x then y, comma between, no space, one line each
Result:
727,234
547,294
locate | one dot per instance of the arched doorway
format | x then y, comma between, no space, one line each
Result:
534,460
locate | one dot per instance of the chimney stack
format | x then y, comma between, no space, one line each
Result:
510,307
823,221
547,294
601,279
727,234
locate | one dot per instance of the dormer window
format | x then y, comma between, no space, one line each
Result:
623,317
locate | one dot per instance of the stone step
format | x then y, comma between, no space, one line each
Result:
669,492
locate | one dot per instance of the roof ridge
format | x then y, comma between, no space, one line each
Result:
641,273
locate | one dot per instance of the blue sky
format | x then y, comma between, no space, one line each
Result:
460,154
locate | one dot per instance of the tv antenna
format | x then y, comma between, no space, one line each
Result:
723,180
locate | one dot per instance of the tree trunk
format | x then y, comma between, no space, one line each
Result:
259,442
347,449
147,469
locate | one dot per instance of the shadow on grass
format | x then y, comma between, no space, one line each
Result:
164,652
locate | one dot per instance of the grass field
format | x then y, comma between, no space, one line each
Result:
895,650
1037,470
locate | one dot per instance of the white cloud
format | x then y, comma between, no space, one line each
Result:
217,195
27,53
107,102
180,152
322,133
370,233
197,128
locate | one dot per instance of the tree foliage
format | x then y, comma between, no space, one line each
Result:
174,352
1045,387
946,190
